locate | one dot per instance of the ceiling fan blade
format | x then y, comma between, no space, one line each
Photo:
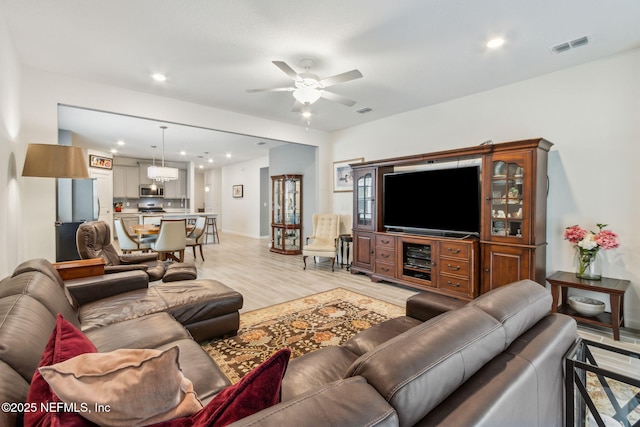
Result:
338,98
273,89
286,69
297,107
341,78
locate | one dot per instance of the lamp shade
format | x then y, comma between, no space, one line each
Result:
55,161
161,173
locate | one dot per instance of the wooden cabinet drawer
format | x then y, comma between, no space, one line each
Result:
454,249
385,255
385,269
454,266
453,284
382,240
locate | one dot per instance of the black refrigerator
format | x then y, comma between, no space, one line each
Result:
77,203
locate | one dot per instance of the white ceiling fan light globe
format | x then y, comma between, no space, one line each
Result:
307,95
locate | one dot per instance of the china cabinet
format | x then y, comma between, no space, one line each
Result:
510,246
286,214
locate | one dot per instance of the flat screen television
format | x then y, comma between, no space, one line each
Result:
440,201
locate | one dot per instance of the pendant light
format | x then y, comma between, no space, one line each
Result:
162,173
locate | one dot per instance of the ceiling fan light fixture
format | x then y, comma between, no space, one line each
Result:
307,95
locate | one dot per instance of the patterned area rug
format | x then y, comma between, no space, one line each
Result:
303,325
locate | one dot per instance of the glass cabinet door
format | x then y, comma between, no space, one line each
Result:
277,200
508,215
364,200
292,201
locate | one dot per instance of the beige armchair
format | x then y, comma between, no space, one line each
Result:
326,229
172,238
196,237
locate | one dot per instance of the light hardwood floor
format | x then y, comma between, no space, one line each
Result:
265,278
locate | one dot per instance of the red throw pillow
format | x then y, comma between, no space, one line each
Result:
65,342
258,390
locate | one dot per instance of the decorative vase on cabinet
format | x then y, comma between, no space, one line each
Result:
286,214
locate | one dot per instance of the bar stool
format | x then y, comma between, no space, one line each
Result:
211,228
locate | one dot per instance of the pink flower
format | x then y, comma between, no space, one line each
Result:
574,233
607,239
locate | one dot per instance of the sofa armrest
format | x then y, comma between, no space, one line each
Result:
88,289
348,402
426,305
125,267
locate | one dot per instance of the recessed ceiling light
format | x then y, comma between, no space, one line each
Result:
210,160
183,153
201,167
114,151
159,77
120,142
228,155
495,43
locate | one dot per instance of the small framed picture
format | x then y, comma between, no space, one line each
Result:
343,175
100,162
238,191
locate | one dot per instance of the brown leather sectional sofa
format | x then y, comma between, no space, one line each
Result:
496,361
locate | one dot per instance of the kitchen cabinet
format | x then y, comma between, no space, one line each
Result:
178,188
125,182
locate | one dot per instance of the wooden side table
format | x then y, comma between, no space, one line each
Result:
615,288
345,240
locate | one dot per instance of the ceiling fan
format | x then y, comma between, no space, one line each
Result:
308,88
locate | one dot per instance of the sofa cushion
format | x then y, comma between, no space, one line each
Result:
65,342
258,390
44,289
140,386
13,390
372,337
347,402
436,357
316,369
45,267
518,306
25,327
187,302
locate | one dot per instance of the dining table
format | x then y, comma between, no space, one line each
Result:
150,229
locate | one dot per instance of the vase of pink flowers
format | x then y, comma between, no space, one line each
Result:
588,244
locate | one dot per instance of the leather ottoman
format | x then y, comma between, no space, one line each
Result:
180,271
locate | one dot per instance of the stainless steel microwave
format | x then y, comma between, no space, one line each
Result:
148,190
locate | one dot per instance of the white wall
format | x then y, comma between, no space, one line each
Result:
242,215
592,115
11,154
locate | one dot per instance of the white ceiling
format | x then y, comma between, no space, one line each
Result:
412,53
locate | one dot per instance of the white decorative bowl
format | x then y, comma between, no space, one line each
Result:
586,306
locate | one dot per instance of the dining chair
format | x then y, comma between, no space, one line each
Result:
151,219
129,243
172,238
197,235
326,230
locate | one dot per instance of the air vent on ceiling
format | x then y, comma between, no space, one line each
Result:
572,44
364,110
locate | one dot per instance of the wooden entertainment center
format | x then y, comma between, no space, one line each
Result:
512,241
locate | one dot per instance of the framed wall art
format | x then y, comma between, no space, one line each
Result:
343,175
238,191
100,162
